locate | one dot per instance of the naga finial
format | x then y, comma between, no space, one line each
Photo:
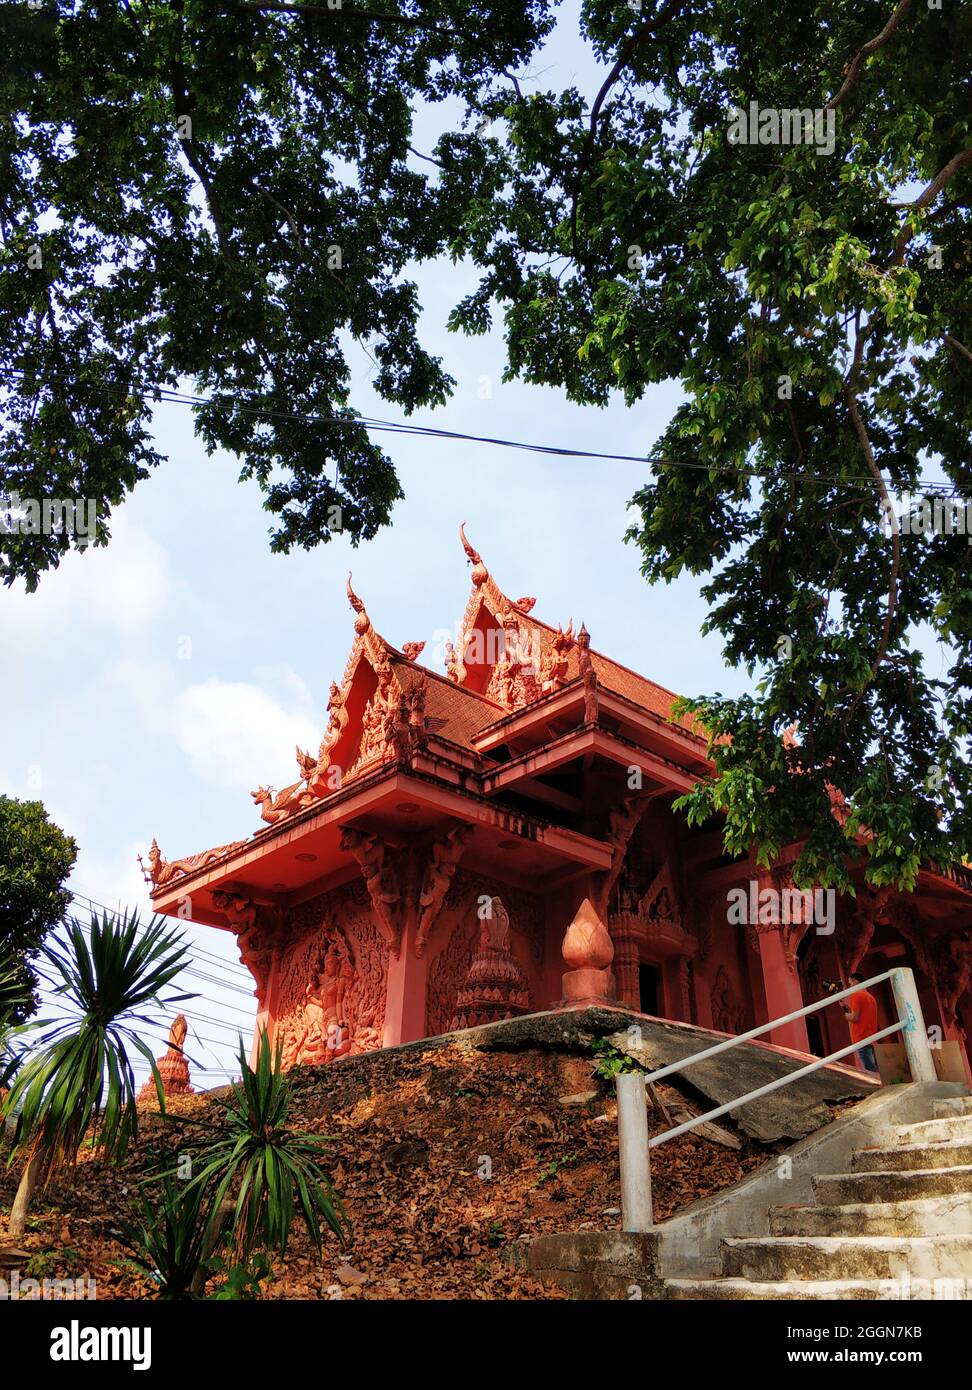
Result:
362,622
480,573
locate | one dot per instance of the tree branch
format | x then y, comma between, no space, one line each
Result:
958,347
375,16
927,196
850,394
634,41
284,211
853,69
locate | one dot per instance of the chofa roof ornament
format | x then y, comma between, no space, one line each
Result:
479,571
362,622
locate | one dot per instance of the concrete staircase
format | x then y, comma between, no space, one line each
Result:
890,1228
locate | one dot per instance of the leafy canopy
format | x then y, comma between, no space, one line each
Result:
814,306
35,859
224,194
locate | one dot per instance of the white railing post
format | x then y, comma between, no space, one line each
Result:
636,1213
913,1031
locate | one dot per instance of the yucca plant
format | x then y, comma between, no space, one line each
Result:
168,1241
260,1172
81,1075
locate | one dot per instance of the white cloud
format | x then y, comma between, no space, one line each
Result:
124,586
235,735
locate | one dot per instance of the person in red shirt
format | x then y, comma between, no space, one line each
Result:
860,1010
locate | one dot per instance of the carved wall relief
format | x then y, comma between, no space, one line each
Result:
257,931
728,1015
333,979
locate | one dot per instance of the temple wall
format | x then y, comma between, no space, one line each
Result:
329,987
722,972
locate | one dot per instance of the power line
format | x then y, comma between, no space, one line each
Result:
187,971
170,396
197,950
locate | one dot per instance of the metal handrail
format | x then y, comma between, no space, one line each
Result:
770,1086
632,1115
738,1038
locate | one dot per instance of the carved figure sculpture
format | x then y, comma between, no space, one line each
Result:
441,869
379,879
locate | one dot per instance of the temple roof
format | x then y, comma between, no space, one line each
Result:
391,711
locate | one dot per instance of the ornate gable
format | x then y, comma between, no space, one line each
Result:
503,653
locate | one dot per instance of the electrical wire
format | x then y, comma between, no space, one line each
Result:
171,396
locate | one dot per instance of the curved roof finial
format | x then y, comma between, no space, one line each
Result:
362,622
479,573
474,556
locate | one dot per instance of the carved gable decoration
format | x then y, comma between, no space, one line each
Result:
503,653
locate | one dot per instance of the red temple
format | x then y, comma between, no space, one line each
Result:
422,872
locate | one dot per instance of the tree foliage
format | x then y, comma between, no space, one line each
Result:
35,859
811,299
815,308
224,194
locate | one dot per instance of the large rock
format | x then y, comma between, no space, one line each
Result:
789,1113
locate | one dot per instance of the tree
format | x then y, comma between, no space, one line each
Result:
223,193
35,859
776,212
80,1076
12,1002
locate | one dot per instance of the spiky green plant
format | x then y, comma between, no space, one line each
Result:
168,1237
81,1075
273,1171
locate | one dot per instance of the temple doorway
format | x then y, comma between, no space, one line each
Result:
649,989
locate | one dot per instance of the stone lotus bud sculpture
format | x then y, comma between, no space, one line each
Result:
589,951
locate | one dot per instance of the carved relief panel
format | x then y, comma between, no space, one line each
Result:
333,979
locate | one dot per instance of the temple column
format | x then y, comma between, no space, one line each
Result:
781,981
626,962
405,1000
783,993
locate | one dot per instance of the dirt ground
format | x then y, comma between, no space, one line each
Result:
442,1158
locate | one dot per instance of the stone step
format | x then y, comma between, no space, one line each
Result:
802,1291
773,1259
925,1216
949,1127
955,1105
951,1154
837,1189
